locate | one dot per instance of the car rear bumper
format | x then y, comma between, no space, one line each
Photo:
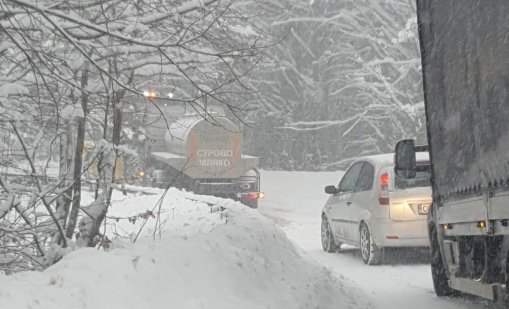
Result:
388,233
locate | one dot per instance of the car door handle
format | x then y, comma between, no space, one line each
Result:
348,203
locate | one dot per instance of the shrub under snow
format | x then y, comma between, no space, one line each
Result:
230,257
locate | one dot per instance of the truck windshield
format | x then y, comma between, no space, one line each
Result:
422,179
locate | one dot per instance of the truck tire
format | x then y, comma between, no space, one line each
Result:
370,253
251,204
438,271
328,242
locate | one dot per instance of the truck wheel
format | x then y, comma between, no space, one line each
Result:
371,254
438,272
253,204
328,242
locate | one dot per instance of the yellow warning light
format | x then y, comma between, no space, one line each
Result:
481,224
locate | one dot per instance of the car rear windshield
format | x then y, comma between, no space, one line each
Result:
422,179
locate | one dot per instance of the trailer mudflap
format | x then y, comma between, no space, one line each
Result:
491,291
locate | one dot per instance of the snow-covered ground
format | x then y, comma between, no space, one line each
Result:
205,252
294,201
222,256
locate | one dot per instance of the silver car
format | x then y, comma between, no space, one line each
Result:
371,208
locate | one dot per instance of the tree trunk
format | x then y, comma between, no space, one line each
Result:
64,201
117,126
78,157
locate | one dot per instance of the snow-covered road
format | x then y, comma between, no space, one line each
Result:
294,201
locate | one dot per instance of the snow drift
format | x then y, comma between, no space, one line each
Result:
230,257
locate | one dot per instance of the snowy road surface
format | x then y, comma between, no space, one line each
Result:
294,201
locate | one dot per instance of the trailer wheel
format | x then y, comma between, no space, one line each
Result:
506,296
438,271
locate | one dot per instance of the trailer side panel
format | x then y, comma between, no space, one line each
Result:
465,63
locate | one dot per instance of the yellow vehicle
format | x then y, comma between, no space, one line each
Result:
92,170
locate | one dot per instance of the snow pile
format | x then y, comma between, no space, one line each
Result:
8,89
230,257
146,212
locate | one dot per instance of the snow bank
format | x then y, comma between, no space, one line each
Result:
229,258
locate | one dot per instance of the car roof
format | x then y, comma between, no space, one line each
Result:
388,159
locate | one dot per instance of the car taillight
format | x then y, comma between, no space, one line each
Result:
383,192
255,196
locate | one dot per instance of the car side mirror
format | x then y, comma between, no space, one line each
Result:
331,190
404,159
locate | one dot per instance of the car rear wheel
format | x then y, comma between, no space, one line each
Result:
438,271
371,254
328,242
